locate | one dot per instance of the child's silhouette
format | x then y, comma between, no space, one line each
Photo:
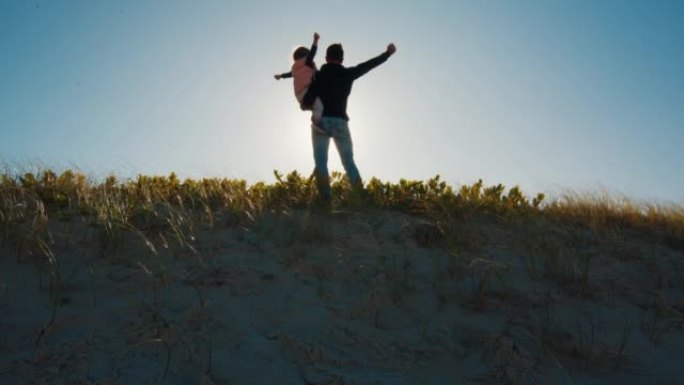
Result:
302,72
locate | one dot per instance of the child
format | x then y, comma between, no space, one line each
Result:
302,72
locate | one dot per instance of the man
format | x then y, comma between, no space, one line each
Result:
333,84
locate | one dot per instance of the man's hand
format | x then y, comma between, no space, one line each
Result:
316,37
277,77
391,49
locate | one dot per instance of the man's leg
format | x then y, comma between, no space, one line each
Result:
321,142
343,141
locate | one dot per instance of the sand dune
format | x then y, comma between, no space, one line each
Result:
350,297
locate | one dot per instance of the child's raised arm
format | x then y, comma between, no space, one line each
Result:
312,51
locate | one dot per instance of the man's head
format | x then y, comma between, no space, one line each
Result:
300,53
334,54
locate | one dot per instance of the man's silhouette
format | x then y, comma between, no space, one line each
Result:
333,84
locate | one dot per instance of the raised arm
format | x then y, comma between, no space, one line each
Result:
283,76
363,68
312,51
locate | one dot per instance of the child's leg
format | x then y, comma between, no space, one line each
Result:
317,114
300,98
317,111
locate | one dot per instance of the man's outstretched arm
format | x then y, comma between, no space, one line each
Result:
364,67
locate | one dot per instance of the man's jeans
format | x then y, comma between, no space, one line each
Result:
338,130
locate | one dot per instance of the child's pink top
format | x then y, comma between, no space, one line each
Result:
302,75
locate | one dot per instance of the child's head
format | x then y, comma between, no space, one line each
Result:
300,53
335,53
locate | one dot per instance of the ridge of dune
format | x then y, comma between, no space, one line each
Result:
347,297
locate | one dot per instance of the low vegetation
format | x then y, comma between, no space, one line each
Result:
174,208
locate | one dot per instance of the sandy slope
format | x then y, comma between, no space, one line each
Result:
349,298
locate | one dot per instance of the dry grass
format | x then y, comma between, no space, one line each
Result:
607,213
173,208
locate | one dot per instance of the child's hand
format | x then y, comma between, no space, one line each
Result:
277,77
391,49
316,37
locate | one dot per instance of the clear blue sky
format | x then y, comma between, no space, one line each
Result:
580,94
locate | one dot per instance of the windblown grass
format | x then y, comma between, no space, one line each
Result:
603,212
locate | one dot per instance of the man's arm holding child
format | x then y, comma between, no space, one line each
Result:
363,68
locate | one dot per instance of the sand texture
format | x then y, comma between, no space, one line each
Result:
345,297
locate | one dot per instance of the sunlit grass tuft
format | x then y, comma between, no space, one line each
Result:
606,212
